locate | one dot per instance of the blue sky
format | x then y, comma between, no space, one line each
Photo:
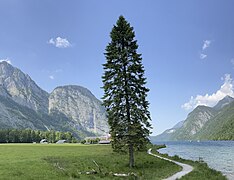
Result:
187,47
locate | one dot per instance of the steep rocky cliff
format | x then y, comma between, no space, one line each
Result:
80,105
23,104
22,89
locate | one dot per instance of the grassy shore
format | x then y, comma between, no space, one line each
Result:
73,161
201,169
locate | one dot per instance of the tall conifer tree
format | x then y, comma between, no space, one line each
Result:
125,92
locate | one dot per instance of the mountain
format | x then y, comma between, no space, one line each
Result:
205,123
80,105
225,101
194,122
168,134
178,125
23,104
221,127
19,87
16,116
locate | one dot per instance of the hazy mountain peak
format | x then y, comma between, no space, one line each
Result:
6,69
5,62
223,102
228,97
22,89
199,109
77,88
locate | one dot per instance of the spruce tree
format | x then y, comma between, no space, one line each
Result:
125,92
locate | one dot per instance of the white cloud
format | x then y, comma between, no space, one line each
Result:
58,71
206,44
232,62
51,41
203,56
6,60
210,100
60,42
52,74
51,77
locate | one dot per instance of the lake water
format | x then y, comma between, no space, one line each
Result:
218,155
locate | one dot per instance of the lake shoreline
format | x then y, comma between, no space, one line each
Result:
217,154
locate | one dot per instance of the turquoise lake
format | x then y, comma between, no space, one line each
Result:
218,155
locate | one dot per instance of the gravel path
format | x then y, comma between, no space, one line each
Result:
186,168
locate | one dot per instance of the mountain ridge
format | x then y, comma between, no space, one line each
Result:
22,89
223,102
204,123
22,97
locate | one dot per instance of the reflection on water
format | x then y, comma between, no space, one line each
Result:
218,155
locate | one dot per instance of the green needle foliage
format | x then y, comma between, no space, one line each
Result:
125,92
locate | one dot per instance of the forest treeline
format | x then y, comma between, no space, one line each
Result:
29,136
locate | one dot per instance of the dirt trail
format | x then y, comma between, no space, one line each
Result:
186,168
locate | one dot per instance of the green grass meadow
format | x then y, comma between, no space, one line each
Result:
73,161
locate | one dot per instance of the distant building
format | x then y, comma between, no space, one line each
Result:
91,138
61,141
104,142
107,137
44,141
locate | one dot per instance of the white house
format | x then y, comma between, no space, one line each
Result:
44,141
61,141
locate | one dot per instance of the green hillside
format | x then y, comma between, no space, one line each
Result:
194,123
205,123
221,127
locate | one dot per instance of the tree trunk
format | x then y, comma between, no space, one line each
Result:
131,156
